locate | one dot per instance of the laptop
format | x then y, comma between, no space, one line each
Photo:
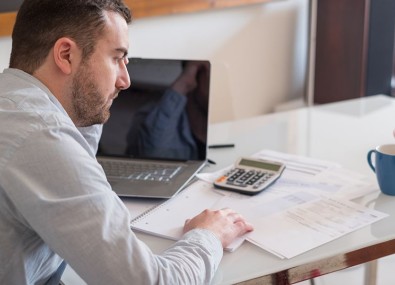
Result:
155,140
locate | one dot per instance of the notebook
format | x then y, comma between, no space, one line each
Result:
167,219
156,138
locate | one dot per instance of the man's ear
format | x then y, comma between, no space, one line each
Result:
65,54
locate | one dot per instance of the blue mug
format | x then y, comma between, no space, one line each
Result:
384,167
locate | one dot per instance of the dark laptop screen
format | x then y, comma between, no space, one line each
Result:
163,114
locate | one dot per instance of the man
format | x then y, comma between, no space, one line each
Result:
67,66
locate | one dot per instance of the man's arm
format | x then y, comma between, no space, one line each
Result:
68,205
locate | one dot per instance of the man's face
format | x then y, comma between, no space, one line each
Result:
98,80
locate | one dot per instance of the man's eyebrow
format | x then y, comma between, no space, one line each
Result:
123,50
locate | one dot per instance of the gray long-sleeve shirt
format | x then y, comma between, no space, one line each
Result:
55,203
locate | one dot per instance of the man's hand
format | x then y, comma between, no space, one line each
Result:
188,79
226,224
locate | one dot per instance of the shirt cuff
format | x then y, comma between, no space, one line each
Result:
209,240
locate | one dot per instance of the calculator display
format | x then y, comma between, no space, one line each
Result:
259,164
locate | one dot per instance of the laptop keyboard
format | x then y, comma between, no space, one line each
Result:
149,171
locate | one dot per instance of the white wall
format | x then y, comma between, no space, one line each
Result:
258,52
5,50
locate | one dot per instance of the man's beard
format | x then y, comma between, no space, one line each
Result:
89,105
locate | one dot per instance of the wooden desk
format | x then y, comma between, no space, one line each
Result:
342,132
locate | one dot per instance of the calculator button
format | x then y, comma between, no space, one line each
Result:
241,179
237,173
221,179
231,179
235,183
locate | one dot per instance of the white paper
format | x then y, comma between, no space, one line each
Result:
309,225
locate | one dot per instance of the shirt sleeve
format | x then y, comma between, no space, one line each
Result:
64,199
92,135
166,129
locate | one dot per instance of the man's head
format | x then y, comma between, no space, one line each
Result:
40,23
78,49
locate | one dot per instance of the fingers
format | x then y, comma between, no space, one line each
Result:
238,220
241,222
226,224
231,214
244,226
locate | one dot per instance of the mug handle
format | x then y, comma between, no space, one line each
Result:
370,160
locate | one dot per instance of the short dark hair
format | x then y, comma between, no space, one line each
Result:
40,23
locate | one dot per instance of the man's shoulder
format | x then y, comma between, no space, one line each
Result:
22,96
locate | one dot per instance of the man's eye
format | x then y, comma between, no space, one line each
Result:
122,59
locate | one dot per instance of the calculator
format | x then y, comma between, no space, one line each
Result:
250,175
